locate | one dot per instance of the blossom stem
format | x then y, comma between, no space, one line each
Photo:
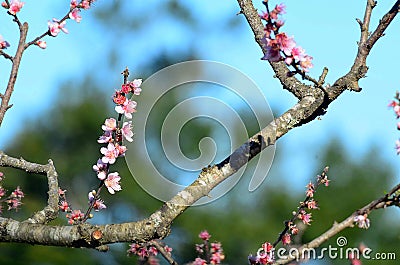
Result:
92,203
303,205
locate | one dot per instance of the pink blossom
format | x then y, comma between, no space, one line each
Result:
3,44
17,193
398,146
297,53
42,44
264,16
74,3
272,52
396,109
204,235
75,15
105,138
267,247
109,125
279,23
13,203
112,182
199,248
15,6
305,63
199,261
127,131
168,249
286,239
305,217
135,85
85,4
101,169
280,9
392,103
126,88
293,229
97,203
312,204
323,180
265,258
310,190
133,248
217,254
127,108
75,216
2,192
285,43
110,153
119,98
153,251
61,192
362,221
121,149
64,206
55,27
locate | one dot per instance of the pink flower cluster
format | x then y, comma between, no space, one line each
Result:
265,255
211,253
56,26
395,104
14,200
114,132
3,44
147,252
278,46
362,221
74,216
14,7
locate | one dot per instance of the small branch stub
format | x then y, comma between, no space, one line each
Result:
97,235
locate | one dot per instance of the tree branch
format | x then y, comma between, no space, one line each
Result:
5,99
359,68
380,203
50,212
157,226
288,82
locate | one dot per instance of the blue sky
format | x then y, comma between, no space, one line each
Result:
327,30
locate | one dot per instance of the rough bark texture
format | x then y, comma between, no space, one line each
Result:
313,102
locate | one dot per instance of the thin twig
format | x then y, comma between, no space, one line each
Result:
380,203
6,55
164,253
14,72
359,67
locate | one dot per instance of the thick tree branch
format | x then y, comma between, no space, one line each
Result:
50,212
313,102
157,226
390,199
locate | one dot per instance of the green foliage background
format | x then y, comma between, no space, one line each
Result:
67,133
